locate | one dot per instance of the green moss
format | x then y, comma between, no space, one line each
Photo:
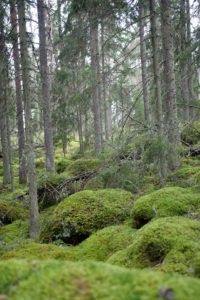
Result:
36,251
11,211
80,166
191,132
170,201
185,176
94,183
63,165
67,280
165,243
83,213
100,245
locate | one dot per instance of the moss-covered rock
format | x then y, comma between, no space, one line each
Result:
191,132
11,211
102,244
80,166
85,212
63,165
67,280
14,235
169,244
36,251
170,201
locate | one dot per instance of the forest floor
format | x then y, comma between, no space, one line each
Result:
117,234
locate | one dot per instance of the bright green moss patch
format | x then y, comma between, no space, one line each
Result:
163,243
100,245
85,212
67,280
11,211
63,165
36,251
191,132
80,166
170,201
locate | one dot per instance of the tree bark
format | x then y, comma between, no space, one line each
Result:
145,90
48,134
32,180
94,48
3,103
19,104
170,88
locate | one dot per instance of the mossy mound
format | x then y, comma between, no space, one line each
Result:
191,132
67,280
14,235
80,166
167,243
102,244
11,211
48,191
63,165
170,201
186,176
36,251
83,213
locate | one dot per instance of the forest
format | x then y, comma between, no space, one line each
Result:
99,149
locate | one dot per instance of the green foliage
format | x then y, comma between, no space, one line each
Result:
63,165
102,244
166,243
36,251
48,193
11,211
191,132
80,166
78,216
69,280
169,201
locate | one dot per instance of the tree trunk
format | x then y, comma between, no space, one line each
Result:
145,90
19,104
157,83
3,103
170,88
32,180
94,48
48,134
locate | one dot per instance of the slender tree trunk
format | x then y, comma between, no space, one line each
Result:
48,134
145,90
19,104
157,83
105,86
32,180
3,103
94,48
170,88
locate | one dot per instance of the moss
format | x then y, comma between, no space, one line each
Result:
11,211
191,132
36,251
59,280
94,183
80,166
170,201
48,191
83,213
63,165
102,244
185,176
159,242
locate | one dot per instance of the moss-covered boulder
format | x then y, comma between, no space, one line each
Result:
83,165
102,244
170,244
169,201
191,132
33,250
11,211
66,280
83,213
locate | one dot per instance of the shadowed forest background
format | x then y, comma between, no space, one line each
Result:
99,152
